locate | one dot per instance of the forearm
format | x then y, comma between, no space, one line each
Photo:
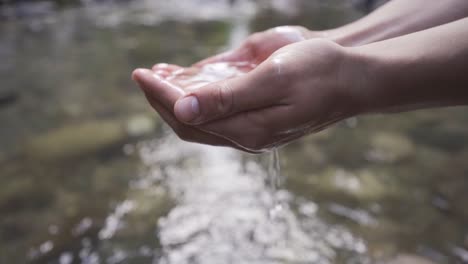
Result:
424,69
397,18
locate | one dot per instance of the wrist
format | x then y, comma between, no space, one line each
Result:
352,35
381,77
363,81
337,35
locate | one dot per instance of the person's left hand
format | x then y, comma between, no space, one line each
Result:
257,47
163,98
301,88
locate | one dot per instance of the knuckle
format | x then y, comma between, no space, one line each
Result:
251,44
282,62
255,37
302,30
224,97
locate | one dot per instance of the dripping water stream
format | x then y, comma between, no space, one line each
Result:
274,181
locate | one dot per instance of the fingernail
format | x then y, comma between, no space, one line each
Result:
187,109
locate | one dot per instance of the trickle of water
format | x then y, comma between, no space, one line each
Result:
274,171
273,182
197,77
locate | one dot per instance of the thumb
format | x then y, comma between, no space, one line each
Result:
254,90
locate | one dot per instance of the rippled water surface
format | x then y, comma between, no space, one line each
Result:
90,174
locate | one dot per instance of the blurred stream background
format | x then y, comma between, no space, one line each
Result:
90,174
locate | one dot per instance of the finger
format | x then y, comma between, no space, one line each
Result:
189,133
184,73
239,131
242,53
166,67
157,88
255,90
225,56
162,73
267,128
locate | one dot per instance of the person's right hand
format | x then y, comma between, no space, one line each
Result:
252,51
301,88
259,46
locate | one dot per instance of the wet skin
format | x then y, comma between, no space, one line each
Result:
166,83
282,107
306,81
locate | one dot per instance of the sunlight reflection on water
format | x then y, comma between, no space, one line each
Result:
388,181
222,212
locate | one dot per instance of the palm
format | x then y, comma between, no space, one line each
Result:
198,76
173,81
255,50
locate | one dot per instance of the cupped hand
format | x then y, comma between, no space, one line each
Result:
162,87
300,88
254,50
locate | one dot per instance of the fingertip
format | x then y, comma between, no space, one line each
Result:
159,66
140,73
146,79
166,67
157,87
135,74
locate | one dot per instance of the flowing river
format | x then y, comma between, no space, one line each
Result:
90,174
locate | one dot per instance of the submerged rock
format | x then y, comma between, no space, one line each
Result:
75,140
85,138
360,184
21,194
390,147
410,259
140,125
446,136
